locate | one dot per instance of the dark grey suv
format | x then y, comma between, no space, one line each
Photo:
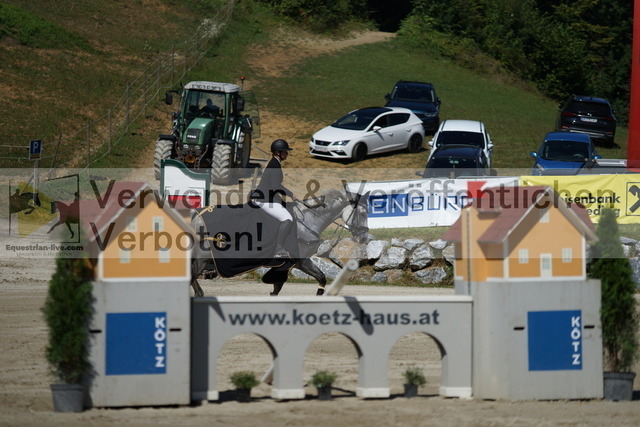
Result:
421,99
588,114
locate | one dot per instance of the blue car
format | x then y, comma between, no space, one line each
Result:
421,99
564,153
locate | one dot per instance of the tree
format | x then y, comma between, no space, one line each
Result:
618,310
67,311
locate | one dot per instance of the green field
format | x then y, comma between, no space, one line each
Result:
56,89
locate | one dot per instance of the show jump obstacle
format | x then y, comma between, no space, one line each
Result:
499,339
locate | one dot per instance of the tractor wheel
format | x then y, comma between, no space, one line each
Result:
163,151
221,164
245,155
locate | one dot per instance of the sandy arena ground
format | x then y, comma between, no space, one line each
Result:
25,398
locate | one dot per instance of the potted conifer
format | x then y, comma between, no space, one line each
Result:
618,310
244,382
67,311
414,378
323,382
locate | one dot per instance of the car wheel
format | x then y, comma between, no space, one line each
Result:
415,144
359,152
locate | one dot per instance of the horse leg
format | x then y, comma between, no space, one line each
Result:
277,287
197,265
309,267
54,226
197,290
70,230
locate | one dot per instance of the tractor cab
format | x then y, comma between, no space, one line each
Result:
212,129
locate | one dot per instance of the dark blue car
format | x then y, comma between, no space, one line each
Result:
564,153
457,160
421,99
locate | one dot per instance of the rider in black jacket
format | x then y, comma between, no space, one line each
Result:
269,196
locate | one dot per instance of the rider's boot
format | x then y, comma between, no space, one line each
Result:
283,235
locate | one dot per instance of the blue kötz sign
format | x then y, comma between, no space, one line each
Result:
136,343
555,340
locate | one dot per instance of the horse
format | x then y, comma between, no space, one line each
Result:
22,202
69,214
311,220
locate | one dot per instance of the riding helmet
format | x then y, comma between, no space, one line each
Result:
280,145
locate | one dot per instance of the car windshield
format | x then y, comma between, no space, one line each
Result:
460,137
356,120
565,151
593,108
413,93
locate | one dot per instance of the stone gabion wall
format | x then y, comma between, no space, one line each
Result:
388,261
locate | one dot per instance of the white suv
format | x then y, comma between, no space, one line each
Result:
465,132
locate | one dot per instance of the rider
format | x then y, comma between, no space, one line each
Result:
269,196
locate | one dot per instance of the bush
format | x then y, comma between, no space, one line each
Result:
322,379
618,311
244,380
68,310
319,15
413,375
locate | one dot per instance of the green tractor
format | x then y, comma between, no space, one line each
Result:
212,131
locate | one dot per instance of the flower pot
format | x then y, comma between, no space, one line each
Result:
618,385
243,395
324,393
410,390
67,397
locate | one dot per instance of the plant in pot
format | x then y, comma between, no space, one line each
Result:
618,311
67,311
323,382
414,378
244,381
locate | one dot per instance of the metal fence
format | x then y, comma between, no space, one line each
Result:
96,139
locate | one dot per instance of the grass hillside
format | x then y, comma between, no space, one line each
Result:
87,52
66,62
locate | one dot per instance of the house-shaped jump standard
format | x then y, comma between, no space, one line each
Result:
521,233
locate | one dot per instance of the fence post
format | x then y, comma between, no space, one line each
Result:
88,143
158,79
186,57
110,134
55,154
145,86
126,108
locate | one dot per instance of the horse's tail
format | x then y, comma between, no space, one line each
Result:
36,199
54,207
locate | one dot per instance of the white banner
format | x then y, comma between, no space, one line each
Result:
421,202
182,187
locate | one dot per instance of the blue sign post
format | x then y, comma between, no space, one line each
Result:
35,149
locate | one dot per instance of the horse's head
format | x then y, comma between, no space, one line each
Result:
354,216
